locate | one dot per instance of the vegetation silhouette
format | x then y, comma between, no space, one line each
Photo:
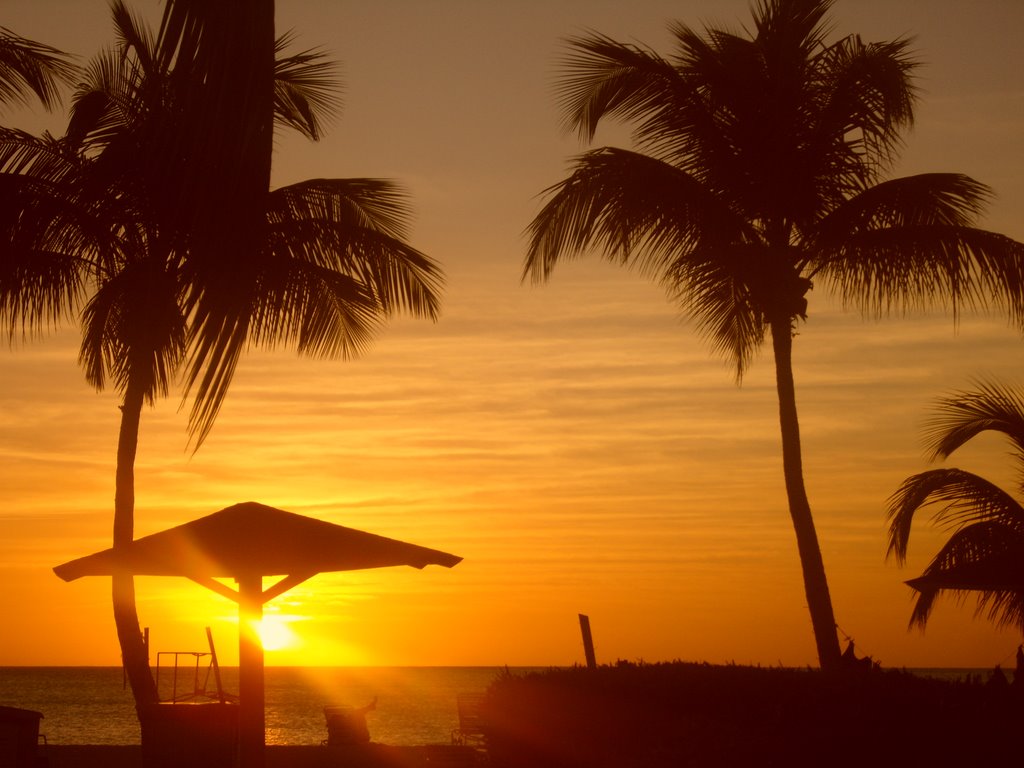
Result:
758,174
116,218
28,68
673,714
984,554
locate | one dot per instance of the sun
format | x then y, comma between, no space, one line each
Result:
274,632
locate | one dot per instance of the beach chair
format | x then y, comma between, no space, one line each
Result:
470,732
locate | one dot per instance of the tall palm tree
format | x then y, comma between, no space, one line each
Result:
28,67
985,551
327,259
758,174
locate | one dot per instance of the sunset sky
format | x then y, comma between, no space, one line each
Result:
576,442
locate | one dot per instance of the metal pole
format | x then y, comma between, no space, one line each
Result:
250,673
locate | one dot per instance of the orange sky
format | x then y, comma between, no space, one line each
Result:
575,443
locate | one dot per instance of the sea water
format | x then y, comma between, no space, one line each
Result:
92,705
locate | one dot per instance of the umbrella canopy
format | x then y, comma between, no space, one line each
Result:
254,540
247,542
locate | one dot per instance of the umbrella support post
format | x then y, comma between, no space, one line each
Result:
251,724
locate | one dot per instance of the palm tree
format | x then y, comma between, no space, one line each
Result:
28,67
758,174
327,259
985,551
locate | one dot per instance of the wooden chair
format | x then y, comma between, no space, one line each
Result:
470,732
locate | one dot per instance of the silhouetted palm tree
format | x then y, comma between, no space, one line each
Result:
759,166
985,552
326,263
28,67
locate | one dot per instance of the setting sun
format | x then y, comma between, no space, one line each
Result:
274,632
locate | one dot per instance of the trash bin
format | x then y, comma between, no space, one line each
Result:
193,735
346,725
19,737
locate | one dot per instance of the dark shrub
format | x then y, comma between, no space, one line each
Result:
685,714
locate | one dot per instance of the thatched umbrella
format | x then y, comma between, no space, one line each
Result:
246,542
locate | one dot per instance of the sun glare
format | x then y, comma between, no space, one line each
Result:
275,633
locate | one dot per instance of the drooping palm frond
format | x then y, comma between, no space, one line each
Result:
984,555
634,209
306,89
134,330
28,67
990,407
38,157
984,559
49,235
647,215
358,227
962,499
911,243
710,286
332,267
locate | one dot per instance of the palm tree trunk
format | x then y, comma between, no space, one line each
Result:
815,583
134,655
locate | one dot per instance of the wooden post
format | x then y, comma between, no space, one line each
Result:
251,717
216,667
588,642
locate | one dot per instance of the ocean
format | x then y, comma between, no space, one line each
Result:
415,705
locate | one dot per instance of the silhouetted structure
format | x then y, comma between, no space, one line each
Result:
247,542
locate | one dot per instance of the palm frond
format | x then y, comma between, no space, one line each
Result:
909,243
306,89
322,312
28,67
333,265
51,238
868,91
963,415
791,23
35,158
709,288
357,227
639,211
962,499
604,78
135,37
985,559
108,101
133,327
647,215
